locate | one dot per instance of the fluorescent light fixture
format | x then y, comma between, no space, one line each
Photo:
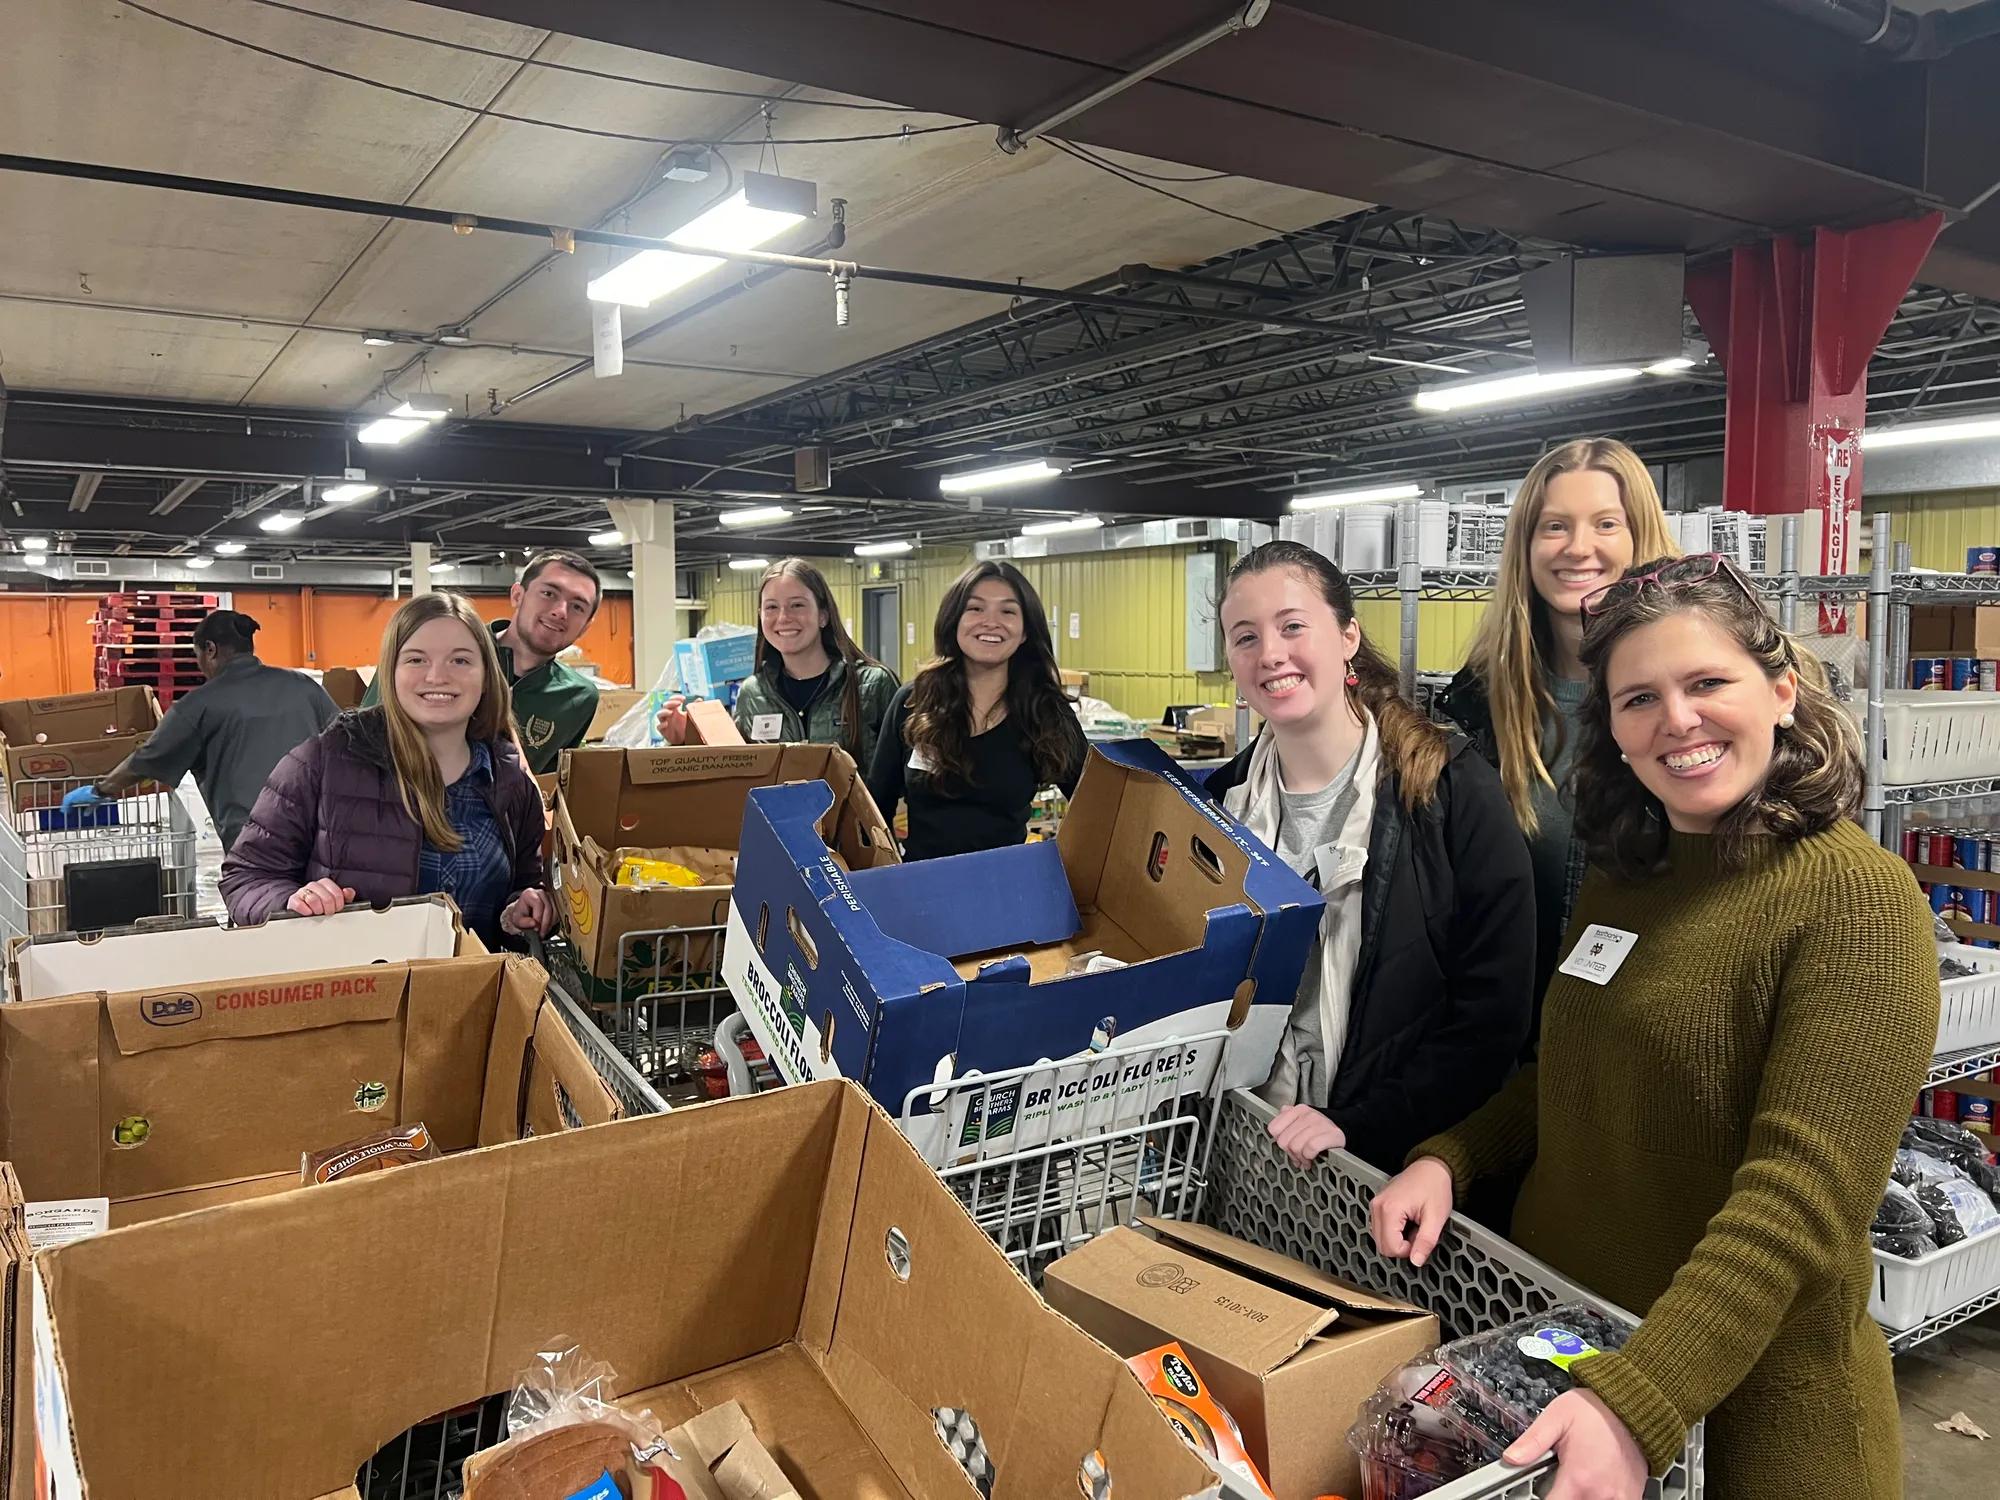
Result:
347,494
387,431
1357,497
1672,366
748,564
201,562
282,520
457,334
607,538
760,515
423,409
979,481
229,549
1070,523
757,213
376,340
34,544
440,567
883,549
1419,364
1912,436
1517,388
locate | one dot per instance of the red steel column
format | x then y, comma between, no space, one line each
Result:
1794,321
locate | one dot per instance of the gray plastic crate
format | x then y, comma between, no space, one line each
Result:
1474,1281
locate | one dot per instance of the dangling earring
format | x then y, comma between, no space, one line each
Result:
1353,677
1786,720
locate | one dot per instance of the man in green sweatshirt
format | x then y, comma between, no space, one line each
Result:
554,604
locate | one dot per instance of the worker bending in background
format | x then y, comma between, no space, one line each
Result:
230,732
554,603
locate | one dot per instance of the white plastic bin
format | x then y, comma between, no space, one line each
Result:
1930,736
1909,1292
1969,1010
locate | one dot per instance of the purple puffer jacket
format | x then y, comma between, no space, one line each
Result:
331,809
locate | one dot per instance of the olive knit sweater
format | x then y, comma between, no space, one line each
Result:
1711,1132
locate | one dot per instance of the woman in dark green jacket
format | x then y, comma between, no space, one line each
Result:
812,683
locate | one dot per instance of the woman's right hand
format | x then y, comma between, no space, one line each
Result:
1410,1212
319,898
672,720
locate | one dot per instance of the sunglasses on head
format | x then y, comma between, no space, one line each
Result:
1669,577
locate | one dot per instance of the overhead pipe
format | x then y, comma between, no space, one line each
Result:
1886,29
1014,139
464,223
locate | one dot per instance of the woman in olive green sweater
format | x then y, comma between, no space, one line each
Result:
1730,1049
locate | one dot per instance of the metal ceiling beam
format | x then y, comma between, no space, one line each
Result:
84,490
174,497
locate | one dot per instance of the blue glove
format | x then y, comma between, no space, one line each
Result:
83,796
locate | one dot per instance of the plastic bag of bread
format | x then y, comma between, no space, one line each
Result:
564,1438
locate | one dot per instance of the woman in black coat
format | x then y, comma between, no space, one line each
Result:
1417,997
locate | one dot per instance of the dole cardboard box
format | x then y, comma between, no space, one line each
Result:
687,800
74,737
903,974
787,1251
1290,1351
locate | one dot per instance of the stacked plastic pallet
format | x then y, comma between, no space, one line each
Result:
148,638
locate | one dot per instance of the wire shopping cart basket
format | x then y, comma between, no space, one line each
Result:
1475,1280
104,864
661,1011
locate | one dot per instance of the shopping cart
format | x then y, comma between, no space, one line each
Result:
46,853
424,1463
662,1010
1473,1281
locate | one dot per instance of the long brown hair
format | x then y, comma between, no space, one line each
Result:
418,780
1512,650
833,639
940,720
1814,778
1413,748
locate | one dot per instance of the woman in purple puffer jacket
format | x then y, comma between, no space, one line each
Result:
427,792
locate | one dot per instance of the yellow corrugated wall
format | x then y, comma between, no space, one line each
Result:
1939,528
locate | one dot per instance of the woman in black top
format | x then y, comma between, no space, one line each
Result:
984,727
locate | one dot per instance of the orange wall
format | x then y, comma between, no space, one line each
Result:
45,641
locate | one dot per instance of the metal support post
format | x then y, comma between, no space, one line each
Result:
420,568
1788,571
1880,575
1409,591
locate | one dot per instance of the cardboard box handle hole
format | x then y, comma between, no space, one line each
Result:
799,936
896,1245
1205,860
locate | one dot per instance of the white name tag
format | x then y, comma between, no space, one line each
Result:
767,729
920,760
1599,953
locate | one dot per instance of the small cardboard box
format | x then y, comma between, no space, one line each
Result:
708,667
347,686
680,797
74,737
1290,1351
1955,630
787,1251
709,723
612,705
896,975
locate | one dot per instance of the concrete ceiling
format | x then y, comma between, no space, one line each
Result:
123,291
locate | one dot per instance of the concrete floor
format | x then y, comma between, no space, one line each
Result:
1958,1372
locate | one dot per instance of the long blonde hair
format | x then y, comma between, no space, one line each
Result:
418,780
1511,651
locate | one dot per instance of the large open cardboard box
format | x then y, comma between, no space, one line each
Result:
681,797
788,1251
73,737
898,975
1291,1351
223,1054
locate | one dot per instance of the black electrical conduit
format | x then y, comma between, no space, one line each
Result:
1885,28
841,271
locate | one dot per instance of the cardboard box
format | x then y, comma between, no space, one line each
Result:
898,975
74,737
786,1251
612,705
1290,1351
709,723
708,667
347,686
680,797
17,1350
1955,630
189,1092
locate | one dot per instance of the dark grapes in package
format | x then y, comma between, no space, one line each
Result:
1901,1226
1956,1146
1438,1419
1958,1209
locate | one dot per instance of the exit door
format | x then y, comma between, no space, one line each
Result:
882,626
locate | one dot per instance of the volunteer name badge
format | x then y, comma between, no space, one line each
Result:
1599,953
766,728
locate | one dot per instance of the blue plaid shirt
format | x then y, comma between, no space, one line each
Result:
478,875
